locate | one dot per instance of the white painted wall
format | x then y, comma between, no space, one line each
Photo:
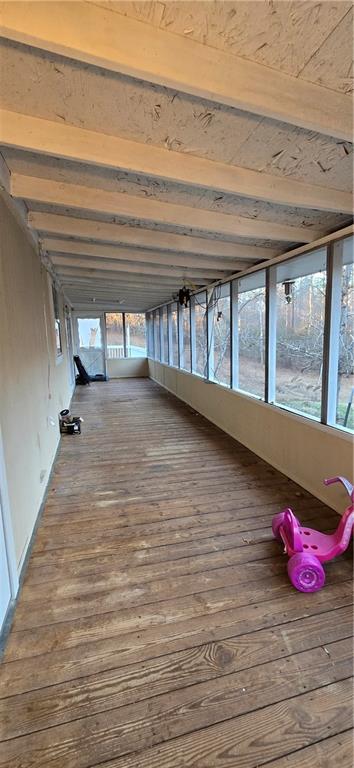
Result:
304,450
127,367
34,384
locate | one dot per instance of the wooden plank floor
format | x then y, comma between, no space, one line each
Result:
156,627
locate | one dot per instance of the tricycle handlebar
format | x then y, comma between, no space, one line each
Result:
347,485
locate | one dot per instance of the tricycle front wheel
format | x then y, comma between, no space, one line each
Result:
306,573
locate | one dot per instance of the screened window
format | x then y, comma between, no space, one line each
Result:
57,324
343,342
300,309
135,334
251,302
186,338
157,341
199,320
150,335
174,335
308,357
114,333
220,335
164,356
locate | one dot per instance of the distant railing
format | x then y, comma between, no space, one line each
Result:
116,351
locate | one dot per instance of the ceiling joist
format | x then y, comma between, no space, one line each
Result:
68,142
79,277
68,226
80,197
94,292
101,251
97,274
140,269
95,35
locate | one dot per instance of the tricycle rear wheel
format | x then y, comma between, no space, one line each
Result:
277,521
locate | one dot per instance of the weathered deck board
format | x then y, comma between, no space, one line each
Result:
156,627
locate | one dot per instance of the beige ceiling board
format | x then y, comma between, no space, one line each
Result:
69,226
111,306
87,273
79,197
104,285
147,283
107,297
252,242
93,35
278,150
106,102
95,297
79,174
33,134
109,103
140,269
113,290
100,250
98,291
332,64
93,290
280,34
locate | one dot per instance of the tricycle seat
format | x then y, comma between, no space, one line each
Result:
317,543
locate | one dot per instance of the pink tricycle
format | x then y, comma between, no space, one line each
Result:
307,548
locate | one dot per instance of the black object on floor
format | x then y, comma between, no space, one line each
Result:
70,425
83,377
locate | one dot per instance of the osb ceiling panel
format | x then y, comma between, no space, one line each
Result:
59,89
309,40
144,186
279,34
332,64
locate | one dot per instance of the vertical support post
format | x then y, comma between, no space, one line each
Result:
127,336
154,342
149,335
210,346
234,334
271,334
169,333
180,335
162,351
192,334
124,336
331,333
103,328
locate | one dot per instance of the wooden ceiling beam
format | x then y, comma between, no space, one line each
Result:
95,297
98,290
110,306
95,273
100,37
102,231
101,251
100,286
140,269
146,209
68,142
121,298
86,282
